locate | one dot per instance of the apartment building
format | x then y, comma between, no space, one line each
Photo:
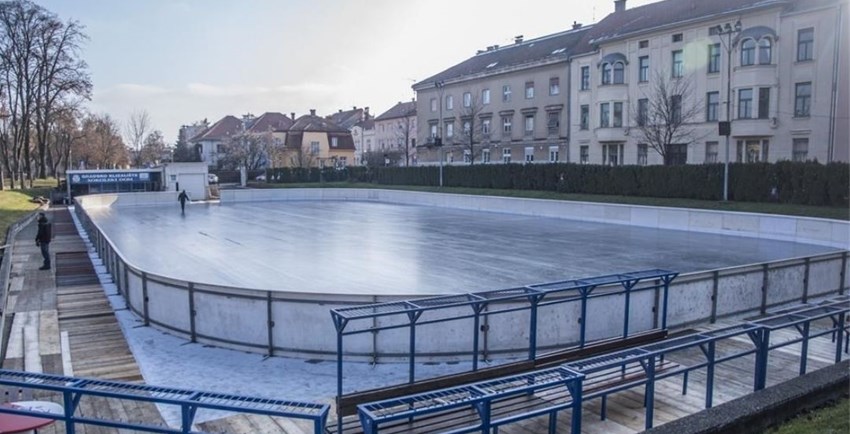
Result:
315,141
775,68
505,104
360,123
786,84
395,132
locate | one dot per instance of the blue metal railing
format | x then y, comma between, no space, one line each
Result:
408,313
73,390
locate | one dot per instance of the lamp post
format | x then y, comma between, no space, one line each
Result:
439,141
727,30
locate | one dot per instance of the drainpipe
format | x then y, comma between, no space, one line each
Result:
836,58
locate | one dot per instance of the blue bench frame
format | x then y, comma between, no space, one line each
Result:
189,401
480,396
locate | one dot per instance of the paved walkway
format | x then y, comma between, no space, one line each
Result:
68,329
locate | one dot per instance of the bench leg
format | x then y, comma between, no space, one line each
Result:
553,422
604,407
685,384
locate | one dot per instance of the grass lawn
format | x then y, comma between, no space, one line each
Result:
14,204
834,419
839,213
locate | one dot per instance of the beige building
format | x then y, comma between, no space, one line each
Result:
586,95
314,141
395,132
505,104
785,57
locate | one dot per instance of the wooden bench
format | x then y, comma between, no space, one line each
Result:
603,383
347,404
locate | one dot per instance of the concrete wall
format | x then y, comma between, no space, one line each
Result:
274,322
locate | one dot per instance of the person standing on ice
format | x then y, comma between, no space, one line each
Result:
183,197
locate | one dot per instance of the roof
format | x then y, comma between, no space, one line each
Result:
344,140
224,128
367,124
400,110
315,123
662,14
557,46
270,121
346,119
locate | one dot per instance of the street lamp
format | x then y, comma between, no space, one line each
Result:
439,141
725,128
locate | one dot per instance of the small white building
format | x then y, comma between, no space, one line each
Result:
191,177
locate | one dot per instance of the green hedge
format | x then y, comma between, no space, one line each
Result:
807,183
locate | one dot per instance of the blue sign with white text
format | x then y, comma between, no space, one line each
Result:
110,177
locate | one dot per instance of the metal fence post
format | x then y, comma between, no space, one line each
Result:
193,336
843,273
715,282
806,281
270,322
145,298
763,307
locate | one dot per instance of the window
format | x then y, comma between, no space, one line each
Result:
433,128
553,122
467,128
712,103
764,102
752,150
677,37
467,156
529,124
450,102
677,154
583,154
553,154
714,58
612,154
678,64
529,89
748,52
604,109
765,51
618,114
643,44
529,154
506,155
643,69
506,93
585,77
506,125
800,149
676,108
334,142
619,73
450,129
485,96
485,155
805,44
643,111
585,117
711,152
314,148
554,86
485,126
467,99
606,73
642,151
433,104
802,99
745,101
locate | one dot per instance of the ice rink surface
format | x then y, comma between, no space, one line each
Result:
379,248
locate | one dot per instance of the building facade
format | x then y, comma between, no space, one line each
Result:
600,94
395,133
314,141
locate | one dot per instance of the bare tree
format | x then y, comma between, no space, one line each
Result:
301,158
405,131
64,135
472,133
153,149
246,150
138,127
102,147
666,117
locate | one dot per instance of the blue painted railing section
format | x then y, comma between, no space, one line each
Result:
73,390
826,319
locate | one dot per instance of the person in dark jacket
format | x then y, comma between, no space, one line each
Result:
183,197
43,238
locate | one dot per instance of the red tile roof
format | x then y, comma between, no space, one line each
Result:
224,128
271,121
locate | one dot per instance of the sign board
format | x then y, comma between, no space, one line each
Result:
110,177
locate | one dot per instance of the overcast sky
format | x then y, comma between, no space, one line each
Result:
188,60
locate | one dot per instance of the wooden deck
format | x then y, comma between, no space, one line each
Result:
70,328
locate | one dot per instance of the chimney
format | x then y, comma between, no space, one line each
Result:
354,107
312,112
576,25
293,115
340,111
619,5
518,39
366,109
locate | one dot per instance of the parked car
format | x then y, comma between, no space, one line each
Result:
212,178
260,178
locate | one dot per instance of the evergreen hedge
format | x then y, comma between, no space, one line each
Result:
808,183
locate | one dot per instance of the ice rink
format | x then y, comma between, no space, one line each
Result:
379,248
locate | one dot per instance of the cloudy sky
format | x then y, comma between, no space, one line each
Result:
188,60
